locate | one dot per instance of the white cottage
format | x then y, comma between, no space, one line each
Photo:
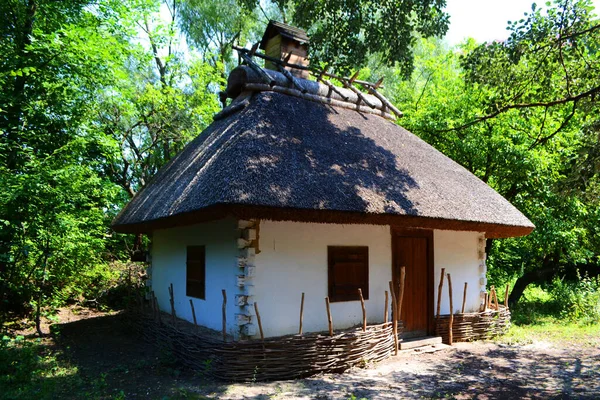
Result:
302,187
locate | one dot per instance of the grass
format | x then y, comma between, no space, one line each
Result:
30,368
538,317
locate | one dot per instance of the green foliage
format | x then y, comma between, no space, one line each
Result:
213,27
521,116
54,200
577,301
29,370
344,33
89,114
539,316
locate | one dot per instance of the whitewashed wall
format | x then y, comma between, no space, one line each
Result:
458,253
169,266
293,259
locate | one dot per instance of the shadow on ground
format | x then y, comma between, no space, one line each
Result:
113,362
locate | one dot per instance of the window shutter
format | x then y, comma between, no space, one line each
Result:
348,268
196,272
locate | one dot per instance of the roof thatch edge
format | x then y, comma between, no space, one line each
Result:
242,211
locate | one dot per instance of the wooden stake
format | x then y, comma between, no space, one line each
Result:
439,297
301,314
496,305
450,338
262,336
152,297
157,310
462,310
193,312
401,290
329,320
172,301
385,311
488,299
394,318
224,314
364,311
506,296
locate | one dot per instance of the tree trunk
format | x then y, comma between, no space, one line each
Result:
550,267
38,315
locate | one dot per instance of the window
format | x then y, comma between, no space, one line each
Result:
348,271
195,272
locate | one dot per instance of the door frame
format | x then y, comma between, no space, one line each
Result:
421,233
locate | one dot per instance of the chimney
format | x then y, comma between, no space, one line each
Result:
280,41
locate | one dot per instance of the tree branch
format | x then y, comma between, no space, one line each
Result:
564,100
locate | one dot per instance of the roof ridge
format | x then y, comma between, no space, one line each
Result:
246,78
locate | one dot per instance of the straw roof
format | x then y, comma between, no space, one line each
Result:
277,156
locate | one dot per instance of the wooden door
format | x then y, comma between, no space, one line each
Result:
413,249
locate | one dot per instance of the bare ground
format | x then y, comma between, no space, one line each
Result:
100,345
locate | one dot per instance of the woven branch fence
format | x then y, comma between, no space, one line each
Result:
474,326
296,356
285,357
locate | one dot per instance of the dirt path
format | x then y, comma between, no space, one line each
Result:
101,346
469,370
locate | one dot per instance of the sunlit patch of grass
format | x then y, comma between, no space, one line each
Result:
553,331
538,318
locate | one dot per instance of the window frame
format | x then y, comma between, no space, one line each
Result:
334,257
195,262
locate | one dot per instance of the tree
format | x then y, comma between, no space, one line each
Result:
345,33
158,101
52,220
214,27
508,152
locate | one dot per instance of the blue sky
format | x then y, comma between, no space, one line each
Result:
486,20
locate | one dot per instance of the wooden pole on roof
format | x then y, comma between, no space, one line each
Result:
261,72
384,101
364,310
291,78
314,71
329,320
439,297
450,333
301,314
348,85
334,89
386,309
262,336
462,310
394,318
193,312
224,311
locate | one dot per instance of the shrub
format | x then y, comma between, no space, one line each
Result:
578,300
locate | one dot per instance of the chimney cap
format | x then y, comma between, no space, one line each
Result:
291,32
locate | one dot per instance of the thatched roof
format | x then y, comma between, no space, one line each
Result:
276,156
